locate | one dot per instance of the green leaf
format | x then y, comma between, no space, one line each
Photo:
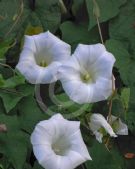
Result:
13,143
67,107
16,14
79,34
11,97
49,14
104,159
2,81
26,89
96,10
27,166
131,112
33,30
124,62
108,10
122,26
118,108
12,15
2,109
131,121
4,46
37,166
125,96
4,163
30,113
76,6
1,166
14,81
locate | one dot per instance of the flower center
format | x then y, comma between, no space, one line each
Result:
43,64
61,146
102,131
86,77
57,150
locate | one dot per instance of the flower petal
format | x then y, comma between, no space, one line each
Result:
46,156
30,70
43,134
88,60
55,148
102,89
88,54
86,93
39,75
78,146
77,91
64,163
75,159
120,127
27,55
123,129
97,121
103,65
43,48
99,136
29,43
57,116
69,126
70,70
51,47
49,74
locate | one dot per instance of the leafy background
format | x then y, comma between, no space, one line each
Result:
19,108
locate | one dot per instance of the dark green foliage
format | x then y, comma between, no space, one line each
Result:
19,106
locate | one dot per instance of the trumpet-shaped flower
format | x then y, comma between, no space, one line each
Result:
41,57
57,143
97,122
87,76
118,126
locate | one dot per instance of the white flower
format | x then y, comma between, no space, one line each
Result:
119,127
58,144
97,121
41,57
87,76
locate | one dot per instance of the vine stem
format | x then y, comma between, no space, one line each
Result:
17,19
63,7
110,103
11,91
113,83
99,30
5,65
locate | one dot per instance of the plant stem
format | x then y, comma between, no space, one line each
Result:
17,19
5,65
11,91
113,82
63,7
99,30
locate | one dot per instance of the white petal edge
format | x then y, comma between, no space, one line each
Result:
98,120
98,136
122,128
86,54
43,150
103,65
77,91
